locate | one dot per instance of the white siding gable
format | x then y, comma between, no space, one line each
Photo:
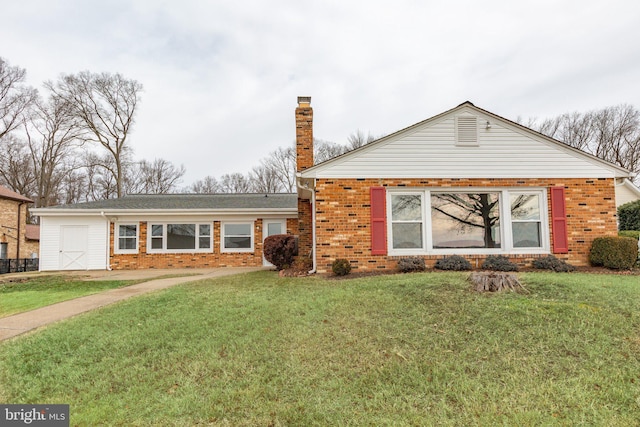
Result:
432,149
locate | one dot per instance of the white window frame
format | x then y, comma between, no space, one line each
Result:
423,221
223,235
116,238
542,208
506,232
164,249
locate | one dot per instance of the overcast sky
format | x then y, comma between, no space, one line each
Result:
221,78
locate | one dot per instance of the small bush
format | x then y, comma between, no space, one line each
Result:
614,252
280,249
411,264
453,263
629,233
498,263
341,267
552,263
629,216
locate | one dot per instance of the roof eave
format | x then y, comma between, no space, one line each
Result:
160,212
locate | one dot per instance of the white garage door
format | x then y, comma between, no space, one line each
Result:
74,241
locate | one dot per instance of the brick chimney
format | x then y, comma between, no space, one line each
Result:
304,134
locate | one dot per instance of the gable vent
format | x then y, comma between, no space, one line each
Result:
467,130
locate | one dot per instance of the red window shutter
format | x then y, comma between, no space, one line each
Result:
559,221
378,221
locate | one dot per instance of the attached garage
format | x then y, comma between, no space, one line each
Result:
73,243
164,231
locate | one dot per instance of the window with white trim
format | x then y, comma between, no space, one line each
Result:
526,220
465,220
237,237
475,221
180,237
126,239
407,221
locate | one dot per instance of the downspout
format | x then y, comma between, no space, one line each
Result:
18,239
313,231
313,225
108,260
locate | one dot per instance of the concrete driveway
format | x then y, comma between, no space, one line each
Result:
18,324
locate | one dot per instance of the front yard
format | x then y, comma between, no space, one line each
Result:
418,349
17,297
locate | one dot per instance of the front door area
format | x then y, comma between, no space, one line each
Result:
271,227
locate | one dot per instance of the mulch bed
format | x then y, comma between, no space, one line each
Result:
362,274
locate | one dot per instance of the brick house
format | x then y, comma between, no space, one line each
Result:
14,242
465,182
164,231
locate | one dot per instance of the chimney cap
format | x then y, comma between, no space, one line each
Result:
304,101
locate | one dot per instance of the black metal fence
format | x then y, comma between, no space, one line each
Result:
19,265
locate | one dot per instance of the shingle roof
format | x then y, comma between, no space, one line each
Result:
32,232
5,193
192,202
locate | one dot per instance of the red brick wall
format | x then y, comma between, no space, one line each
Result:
343,216
304,136
143,260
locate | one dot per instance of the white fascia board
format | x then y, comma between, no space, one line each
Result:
631,186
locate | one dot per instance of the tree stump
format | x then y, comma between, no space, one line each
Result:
496,282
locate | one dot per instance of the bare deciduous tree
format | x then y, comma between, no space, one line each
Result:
282,163
106,104
235,183
207,185
15,97
99,176
53,134
16,170
358,139
264,180
612,133
325,150
157,177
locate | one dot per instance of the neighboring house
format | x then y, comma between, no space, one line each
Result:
626,192
32,240
13,226
465,182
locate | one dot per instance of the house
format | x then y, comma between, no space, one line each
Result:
163,231
32,239
13,226
465,182
626,192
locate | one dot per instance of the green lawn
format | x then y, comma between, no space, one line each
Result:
418,349
16,297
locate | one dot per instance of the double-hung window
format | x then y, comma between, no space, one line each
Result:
180,237
526,220
474,221
407,221
237,237
126,239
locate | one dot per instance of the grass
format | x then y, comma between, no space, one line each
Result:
416,349
17,297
